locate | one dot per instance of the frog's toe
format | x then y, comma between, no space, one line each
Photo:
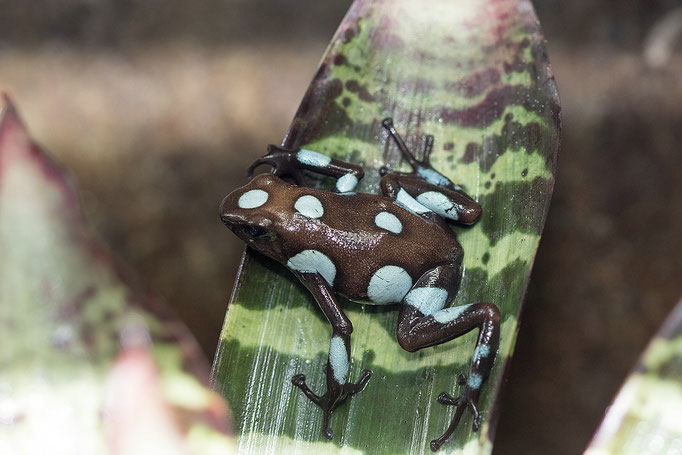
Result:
252,168
283,163
447,399
465,401
360,385
298,380
477,423
435,445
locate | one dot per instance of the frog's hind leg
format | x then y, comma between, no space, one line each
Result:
338,363
428,200
424,321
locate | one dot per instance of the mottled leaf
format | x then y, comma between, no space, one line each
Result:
473,73
646,416
89,362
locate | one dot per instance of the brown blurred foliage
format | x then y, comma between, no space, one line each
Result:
156,107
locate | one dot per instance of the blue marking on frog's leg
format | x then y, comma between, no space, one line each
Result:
309,206
388,221
427,300
481,351
312,158
407,202
475,380
430,201
450,314
433,177
389,284
346,183
338,359
252,199
424,322
439,203
348,174
338,364
391,187
314,261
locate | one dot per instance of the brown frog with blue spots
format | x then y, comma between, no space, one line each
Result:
396,248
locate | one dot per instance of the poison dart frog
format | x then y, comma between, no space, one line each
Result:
394,248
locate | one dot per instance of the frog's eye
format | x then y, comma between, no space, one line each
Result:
256,231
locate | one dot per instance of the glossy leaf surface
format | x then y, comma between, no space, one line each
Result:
475,75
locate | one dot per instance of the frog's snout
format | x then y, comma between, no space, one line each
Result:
225,211
228,219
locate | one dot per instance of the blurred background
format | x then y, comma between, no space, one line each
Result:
157,107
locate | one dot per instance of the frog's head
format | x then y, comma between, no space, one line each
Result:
250,212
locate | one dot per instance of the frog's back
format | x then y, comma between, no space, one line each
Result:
363,233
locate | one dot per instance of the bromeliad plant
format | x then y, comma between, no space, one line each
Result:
103,353
645,415
473,74
90,362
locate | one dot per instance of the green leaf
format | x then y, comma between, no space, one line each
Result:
89,362
645,415
475,75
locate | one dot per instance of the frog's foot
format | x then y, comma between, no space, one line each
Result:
360,385
414,162
423,168
283,163
468,399
335,395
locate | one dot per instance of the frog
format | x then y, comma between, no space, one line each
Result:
396,248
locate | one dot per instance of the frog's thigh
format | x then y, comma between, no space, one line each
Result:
391,187
426,199
434,289
424,321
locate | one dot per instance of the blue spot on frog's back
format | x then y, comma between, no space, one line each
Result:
389,284
313,261
252,199
388,221
309,206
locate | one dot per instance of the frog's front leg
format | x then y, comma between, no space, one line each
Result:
292,163
338,387
424,321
